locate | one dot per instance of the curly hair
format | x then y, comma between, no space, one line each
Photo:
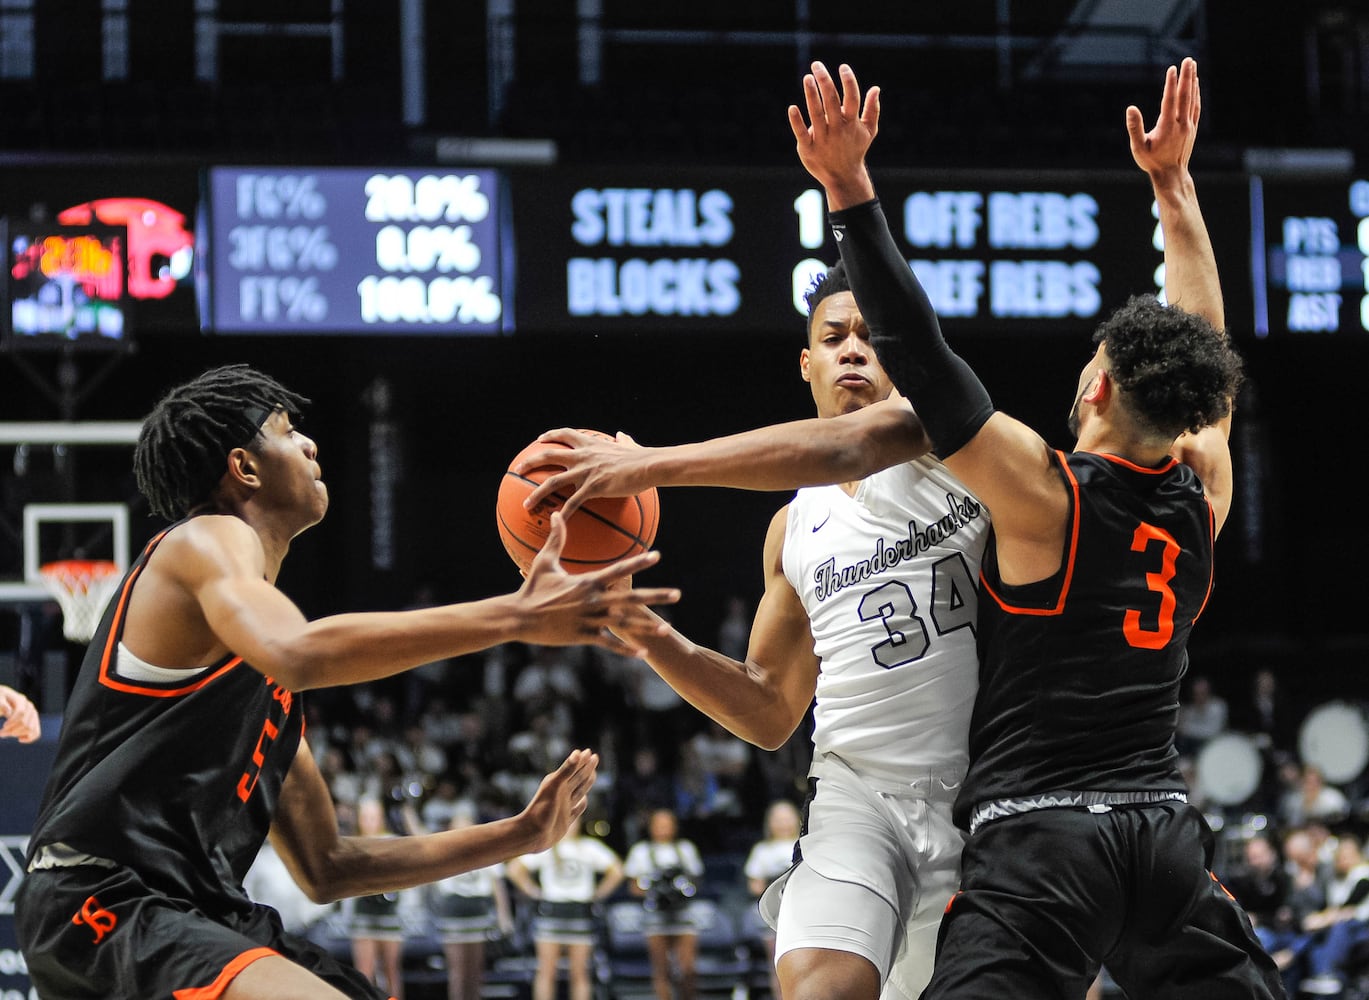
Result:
1177,372
184,442
830,282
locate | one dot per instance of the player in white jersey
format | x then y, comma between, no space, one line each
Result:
869,607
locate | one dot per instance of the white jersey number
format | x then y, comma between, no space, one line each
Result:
894,605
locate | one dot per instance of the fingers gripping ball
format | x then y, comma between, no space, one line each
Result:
602,531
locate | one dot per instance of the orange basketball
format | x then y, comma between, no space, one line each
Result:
602,531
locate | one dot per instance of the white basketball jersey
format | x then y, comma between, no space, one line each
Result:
890,582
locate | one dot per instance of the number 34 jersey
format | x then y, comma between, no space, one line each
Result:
889,580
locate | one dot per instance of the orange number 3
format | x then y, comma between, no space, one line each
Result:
1157,582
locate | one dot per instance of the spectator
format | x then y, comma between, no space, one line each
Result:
1201,717
376,929
1265,714
343,783
1342,925
549,683
1284,938
1312,799
664,871
444,803
541,740
768,859
420,758
468,910
1261,885
572,876
734,631
727,757
639,791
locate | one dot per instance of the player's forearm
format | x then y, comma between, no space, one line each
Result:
905,333
361,866
792,455
738,696
1191,279
365,646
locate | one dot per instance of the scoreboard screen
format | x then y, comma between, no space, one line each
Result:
66,284
1311,240
650,250
346,250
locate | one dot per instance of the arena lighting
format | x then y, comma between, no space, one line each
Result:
496,152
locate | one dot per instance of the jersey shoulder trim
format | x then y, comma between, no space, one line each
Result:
1066,572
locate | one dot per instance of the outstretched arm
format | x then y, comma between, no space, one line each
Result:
763,698
780,457
328,866
1191,280
219,563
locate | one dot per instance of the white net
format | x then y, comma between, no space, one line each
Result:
82,587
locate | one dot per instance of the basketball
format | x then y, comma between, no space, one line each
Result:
602,531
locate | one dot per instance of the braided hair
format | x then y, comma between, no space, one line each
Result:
184,442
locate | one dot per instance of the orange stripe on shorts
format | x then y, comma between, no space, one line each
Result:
215,989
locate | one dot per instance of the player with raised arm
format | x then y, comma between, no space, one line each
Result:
869,609
1083,849
183,746
855,444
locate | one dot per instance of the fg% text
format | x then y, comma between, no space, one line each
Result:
281,248
290,298
279,196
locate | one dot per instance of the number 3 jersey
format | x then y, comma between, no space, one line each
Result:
889,580
1080,684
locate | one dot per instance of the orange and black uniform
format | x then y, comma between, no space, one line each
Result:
160,797
1083,845
1083,849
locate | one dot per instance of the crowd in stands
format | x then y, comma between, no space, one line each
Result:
1294,846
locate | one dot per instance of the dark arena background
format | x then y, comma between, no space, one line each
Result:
454,226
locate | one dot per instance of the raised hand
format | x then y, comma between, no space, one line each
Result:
1168,146
832,143
592,467
562,797
564,609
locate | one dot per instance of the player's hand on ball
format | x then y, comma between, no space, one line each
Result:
568,609
592,467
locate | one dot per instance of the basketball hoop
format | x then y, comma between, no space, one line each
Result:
82,587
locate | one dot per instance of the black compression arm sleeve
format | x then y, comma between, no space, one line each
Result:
947,395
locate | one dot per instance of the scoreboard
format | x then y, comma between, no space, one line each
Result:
668,250
1028,253
354,251
1312,239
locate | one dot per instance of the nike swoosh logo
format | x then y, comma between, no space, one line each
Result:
823,521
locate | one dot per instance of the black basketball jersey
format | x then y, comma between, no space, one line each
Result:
177,780
1079,673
